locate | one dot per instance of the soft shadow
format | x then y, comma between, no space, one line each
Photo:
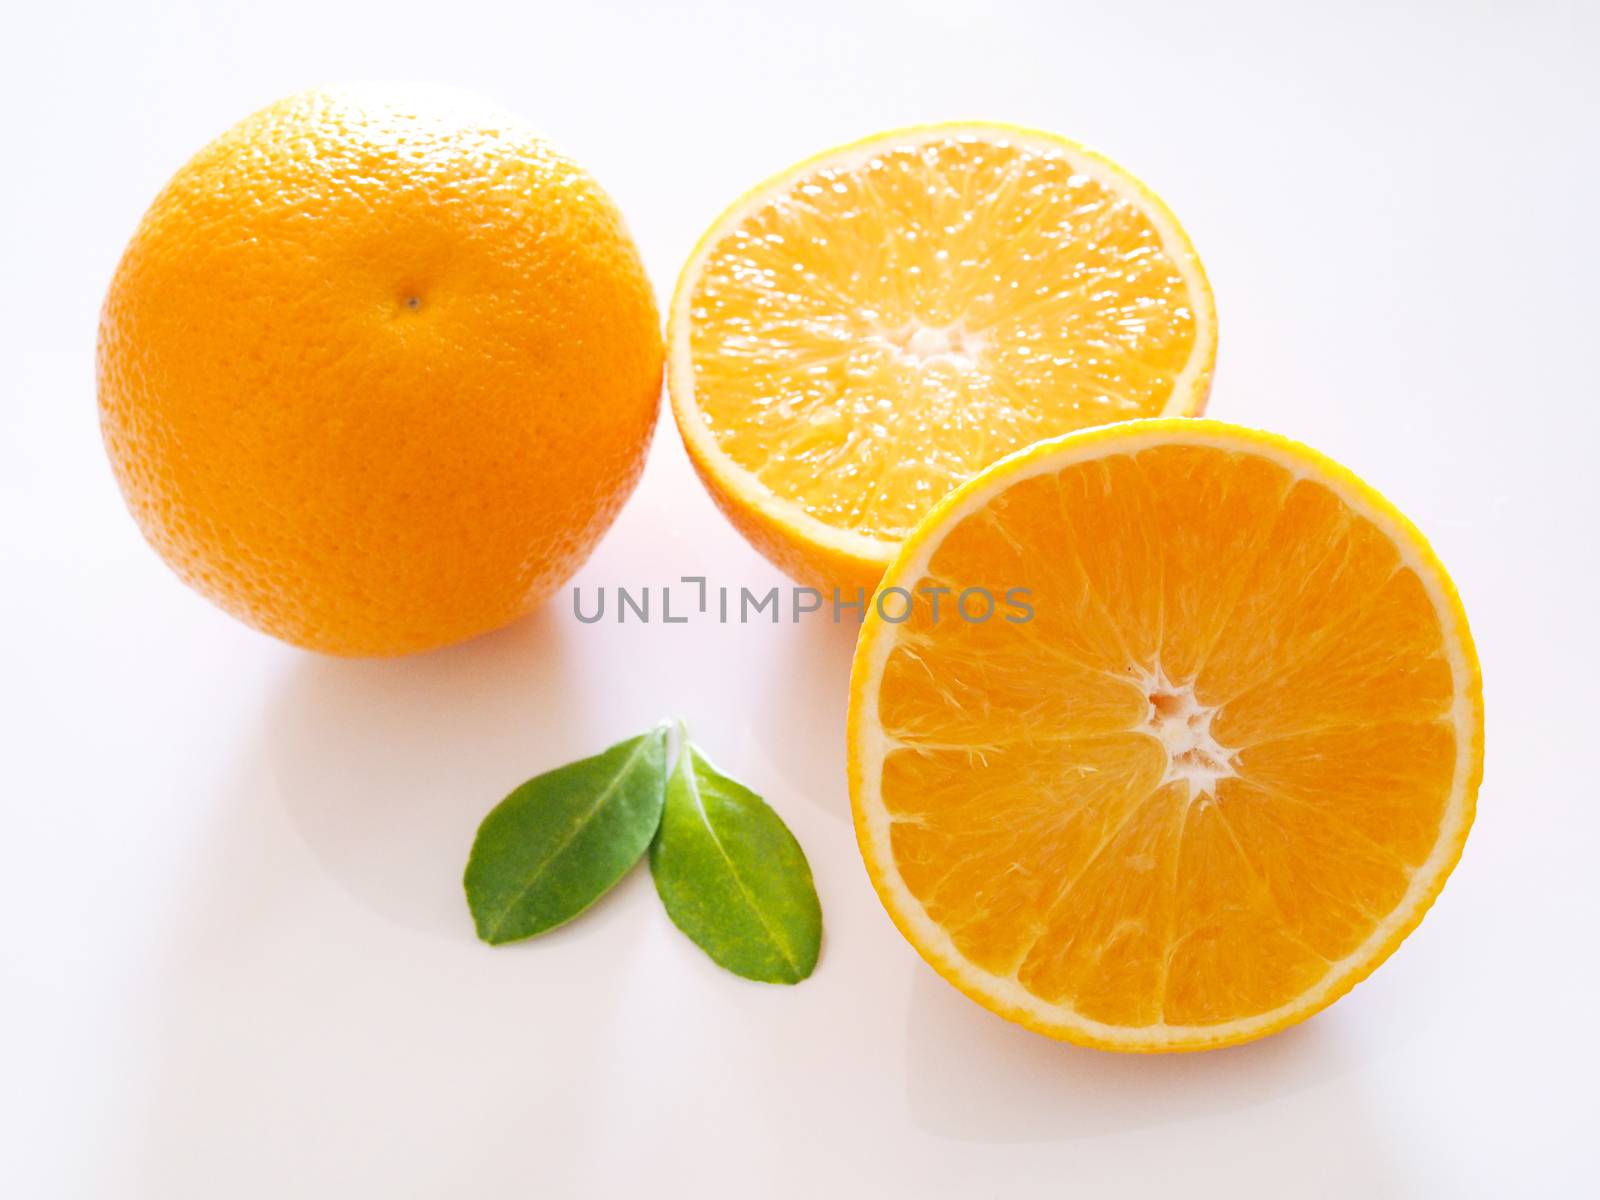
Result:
973,1077
798,720
386,767
271,1018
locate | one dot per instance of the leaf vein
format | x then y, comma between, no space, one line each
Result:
561,848
705,819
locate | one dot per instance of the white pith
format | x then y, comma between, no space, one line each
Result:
922,346
871,745
1188,390
1182,725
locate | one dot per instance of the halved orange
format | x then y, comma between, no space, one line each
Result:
1215,779
870,328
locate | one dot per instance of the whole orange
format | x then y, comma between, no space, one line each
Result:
378,369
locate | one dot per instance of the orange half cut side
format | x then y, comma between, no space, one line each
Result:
869,329
1216,779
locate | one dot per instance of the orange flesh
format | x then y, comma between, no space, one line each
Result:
1038,817
894,321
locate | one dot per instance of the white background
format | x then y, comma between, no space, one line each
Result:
236,960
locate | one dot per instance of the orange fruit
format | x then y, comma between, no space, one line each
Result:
1212,783
378,368
870,328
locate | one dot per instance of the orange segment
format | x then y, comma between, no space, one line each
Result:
1213,782
871,328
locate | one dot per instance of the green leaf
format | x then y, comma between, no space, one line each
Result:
560,841
732,876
